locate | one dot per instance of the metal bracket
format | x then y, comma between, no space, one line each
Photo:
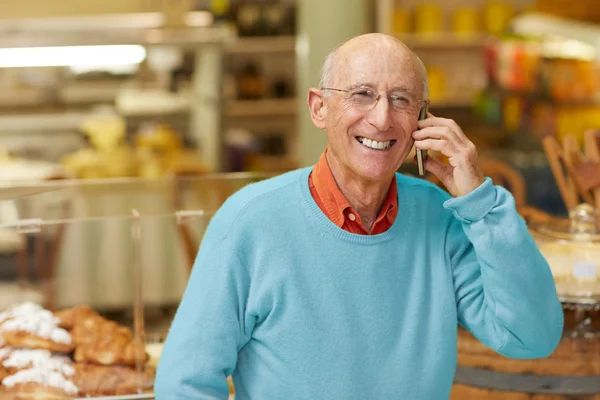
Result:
33,225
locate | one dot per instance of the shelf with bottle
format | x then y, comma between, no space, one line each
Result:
261,45
254,18
544,98
260,86
447,24
449,37
517,113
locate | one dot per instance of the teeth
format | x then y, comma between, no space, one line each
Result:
375,145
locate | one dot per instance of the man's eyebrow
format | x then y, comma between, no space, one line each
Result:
360,85
395,89
405,89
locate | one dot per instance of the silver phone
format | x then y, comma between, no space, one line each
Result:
422,154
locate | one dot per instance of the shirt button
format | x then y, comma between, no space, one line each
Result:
352,217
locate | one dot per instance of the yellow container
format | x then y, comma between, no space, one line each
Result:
401,21
496,16
429,18
437,83
465,21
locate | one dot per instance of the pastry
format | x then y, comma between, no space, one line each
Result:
20,310
98,340
109,350
100,380
3,355
90,327
38,384
30,326
68,317
101,341
14,360
36,335
34,391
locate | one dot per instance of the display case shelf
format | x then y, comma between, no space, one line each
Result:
122,247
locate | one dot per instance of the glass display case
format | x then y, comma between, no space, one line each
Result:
572,248
91,276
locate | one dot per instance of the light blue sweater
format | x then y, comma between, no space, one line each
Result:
296,308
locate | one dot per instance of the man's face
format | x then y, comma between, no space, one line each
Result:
354,125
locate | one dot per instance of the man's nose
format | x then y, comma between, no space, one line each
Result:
380,116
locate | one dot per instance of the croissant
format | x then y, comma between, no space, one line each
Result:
100,380
104,342
3,373
69,316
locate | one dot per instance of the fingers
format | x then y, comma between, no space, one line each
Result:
437,132
432,144
463,173
448,126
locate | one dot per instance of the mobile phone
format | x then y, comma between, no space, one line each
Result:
422,154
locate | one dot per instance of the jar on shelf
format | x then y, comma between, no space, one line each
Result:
250,83
465,21
248,19
272,18
429,19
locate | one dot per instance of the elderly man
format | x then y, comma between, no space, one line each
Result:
346,280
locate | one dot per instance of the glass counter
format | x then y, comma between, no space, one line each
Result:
91,274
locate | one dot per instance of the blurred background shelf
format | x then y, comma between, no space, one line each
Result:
443,40
455,100
262,45
261,108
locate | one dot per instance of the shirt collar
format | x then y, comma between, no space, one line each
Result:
336,204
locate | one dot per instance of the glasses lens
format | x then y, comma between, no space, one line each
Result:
363,98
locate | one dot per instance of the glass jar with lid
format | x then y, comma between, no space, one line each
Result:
572,248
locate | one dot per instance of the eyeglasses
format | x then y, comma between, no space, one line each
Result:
366,99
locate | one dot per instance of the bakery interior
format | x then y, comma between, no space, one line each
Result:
125,124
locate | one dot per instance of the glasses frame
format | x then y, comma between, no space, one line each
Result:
420,103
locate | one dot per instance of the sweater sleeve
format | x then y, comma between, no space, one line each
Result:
505,292
209,327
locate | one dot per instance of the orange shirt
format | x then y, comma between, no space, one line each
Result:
332,202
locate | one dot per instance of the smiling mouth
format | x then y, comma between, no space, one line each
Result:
373,145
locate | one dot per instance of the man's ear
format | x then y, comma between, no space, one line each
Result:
316,105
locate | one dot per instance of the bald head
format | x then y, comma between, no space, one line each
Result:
381,42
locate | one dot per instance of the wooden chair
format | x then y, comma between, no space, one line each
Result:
503,174
577,172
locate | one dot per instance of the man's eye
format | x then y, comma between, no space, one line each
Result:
400,99
363,93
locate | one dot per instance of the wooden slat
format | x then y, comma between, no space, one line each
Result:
464,392
571,358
